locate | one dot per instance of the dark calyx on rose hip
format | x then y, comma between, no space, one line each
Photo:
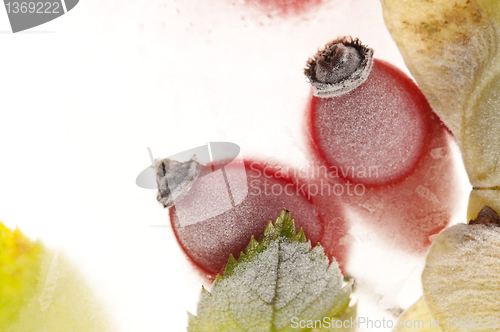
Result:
365,114
209,241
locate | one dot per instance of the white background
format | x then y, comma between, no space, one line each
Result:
83,96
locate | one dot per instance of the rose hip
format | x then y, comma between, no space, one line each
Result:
208,243
377,121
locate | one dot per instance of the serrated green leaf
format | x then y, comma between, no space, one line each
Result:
231,264
252,246
279,277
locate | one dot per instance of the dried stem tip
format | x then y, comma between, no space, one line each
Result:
487,216
175,179
339,68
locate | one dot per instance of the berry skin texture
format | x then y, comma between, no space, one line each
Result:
208,243
380,127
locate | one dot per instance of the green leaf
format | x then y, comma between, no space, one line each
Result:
278,278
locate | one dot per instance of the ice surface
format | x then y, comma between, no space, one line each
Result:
173,53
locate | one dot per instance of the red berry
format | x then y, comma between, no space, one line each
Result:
371,124
208,243
380,128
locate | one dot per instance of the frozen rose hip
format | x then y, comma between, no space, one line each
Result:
371,127
209,242
366,114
